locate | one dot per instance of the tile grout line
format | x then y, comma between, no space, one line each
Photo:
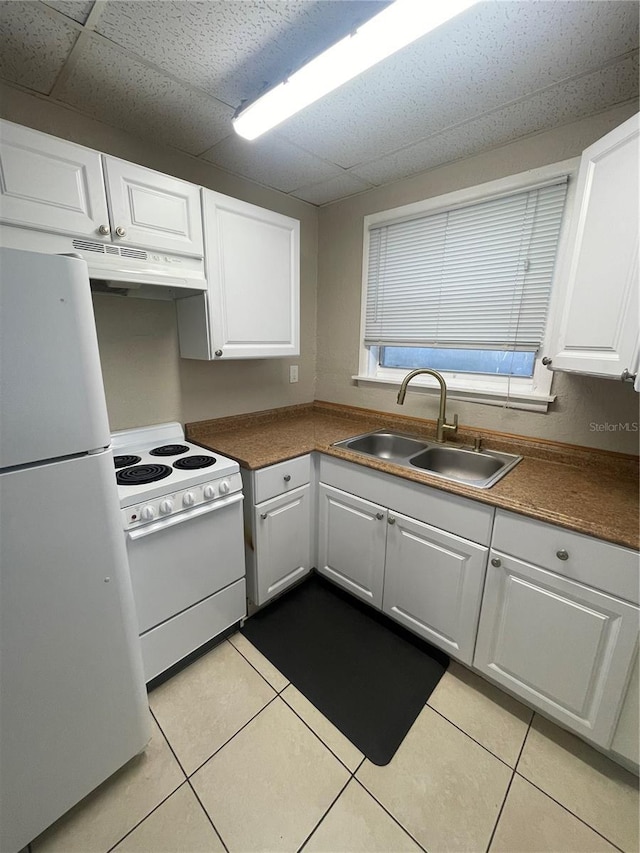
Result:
506,795
140,822
331,805
263,677
209,818
386,810
486,748
573,814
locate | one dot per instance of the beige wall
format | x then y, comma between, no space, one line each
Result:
581,401
145,379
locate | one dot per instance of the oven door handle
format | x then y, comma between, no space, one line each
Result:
187,515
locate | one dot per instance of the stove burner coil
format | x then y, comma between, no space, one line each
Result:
138,475
125,461
189,463
169,450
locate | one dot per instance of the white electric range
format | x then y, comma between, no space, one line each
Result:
181,508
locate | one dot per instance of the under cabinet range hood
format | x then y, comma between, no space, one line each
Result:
119,270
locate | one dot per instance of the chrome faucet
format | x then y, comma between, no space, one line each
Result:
441,424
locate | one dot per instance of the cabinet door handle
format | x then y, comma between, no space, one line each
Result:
379,516
562,554
104,230
287,478
496,562
263,516
627,376
120,231
391,520
218,353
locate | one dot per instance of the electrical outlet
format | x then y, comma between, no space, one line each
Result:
293,373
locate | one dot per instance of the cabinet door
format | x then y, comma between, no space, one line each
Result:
50,184
599,329
351,543
253,270
563,647
433,584
627,734
283,542
153,210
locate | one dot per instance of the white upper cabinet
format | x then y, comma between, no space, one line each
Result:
50,184
53,185
252,258
153,210
599,330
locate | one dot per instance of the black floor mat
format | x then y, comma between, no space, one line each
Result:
369,676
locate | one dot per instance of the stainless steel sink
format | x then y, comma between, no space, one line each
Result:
479,468
385,445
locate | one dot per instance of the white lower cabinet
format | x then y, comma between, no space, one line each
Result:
278,511
433,584
282,541
351,543
425,578
563,647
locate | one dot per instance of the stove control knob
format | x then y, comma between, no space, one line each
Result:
189,499
209,492
147,513
224,487
166,507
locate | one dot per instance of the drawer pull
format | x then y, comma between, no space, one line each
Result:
496,562
379,516
263,515
562,554
391,520
287,477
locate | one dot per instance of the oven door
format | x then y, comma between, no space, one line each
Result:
181,560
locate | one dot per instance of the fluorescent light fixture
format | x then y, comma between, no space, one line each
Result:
396,26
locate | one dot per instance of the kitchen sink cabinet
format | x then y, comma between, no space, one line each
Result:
56,186
598,331
278,527
351,543
625,743
550,634
252,306
433,584
424,577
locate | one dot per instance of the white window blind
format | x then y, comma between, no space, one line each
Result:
477,276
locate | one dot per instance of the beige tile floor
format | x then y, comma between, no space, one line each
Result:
241,761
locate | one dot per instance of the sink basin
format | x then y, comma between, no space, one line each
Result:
457,464
385,445
481,469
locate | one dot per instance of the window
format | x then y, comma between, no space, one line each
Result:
463,284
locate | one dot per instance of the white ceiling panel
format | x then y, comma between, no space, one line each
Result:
492,54
561,104
270,160
174,71
35,44
116,88
77,10
228,48
341,186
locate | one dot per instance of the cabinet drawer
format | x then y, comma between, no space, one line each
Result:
281,478
598,564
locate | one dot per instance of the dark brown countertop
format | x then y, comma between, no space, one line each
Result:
590,491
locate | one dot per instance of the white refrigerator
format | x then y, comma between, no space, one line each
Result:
73,705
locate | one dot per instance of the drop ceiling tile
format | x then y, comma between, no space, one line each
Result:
114,87
561,104
270,160
492,54
35,44
77,10
340,187
231,49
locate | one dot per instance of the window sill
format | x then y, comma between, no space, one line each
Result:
456,390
